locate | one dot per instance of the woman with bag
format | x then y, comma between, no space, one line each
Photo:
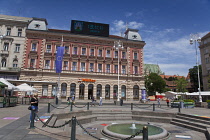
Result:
34,105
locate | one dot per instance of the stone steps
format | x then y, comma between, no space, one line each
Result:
203,130
196,123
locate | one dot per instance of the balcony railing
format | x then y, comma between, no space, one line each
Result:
10,69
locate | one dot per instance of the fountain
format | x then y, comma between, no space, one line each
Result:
133,126
124,130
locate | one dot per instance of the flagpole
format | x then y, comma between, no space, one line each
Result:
59,76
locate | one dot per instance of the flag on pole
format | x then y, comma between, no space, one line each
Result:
59,59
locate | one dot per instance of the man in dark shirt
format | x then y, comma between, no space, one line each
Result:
34,105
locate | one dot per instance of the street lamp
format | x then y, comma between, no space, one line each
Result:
117,46
196,39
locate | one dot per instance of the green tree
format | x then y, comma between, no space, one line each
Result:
194,77
154,83
181,85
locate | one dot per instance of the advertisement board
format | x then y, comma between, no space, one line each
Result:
89,28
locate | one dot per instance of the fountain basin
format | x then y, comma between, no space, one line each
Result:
123,131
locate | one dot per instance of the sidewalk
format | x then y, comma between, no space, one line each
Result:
14,121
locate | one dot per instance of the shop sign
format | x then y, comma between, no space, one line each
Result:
86,80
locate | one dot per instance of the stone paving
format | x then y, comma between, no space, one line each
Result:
14,123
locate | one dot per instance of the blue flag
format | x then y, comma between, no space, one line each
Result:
59,59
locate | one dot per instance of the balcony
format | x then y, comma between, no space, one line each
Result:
10,69
5,52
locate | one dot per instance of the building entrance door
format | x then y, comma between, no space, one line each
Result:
90,91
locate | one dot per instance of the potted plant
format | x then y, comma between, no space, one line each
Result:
208,102
188,103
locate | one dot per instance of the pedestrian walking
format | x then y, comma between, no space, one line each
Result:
93,101
158,100
73,99
100,102
34,106
167,101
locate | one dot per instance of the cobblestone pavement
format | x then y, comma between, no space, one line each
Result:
14,123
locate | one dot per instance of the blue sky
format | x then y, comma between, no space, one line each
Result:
165,25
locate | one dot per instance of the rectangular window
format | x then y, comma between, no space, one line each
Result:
65,65
15,65
91,52
47,64
66,50
135,56
107,68
19,32
123,55
83,51
75,50
8,31
115,68
48,49
108,52
82,66
135,69
3,63
123,69
17,47
91,67
74,66
116,54
100,53
99,67
32,63
33,48
6,46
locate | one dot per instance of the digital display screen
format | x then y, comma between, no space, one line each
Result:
89,28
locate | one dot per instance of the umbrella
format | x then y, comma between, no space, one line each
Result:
10,86
25,87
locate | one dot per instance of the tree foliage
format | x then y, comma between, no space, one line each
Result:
194,77
154,83
181,85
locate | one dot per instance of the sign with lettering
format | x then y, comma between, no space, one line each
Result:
89,28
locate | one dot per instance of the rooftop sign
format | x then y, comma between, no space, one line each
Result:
89,28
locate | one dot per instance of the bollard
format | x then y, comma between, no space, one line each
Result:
145,133
131,106
56,100
71,106
88,105
48,110
153,107
179,108
32,119
73,128
22,100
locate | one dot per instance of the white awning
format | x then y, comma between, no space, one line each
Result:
10,86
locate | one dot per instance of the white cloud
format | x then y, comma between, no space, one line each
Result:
128,14
175,56
120,26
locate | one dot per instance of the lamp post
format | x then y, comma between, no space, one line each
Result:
194,40
117,46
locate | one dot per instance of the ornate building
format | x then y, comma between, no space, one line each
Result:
90,62
205,60
12,45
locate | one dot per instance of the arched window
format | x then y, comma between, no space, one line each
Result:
81,91
115,91
90,91
73,89
15,63
136,92
44,90
107,92
123,91
63,89
99,91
